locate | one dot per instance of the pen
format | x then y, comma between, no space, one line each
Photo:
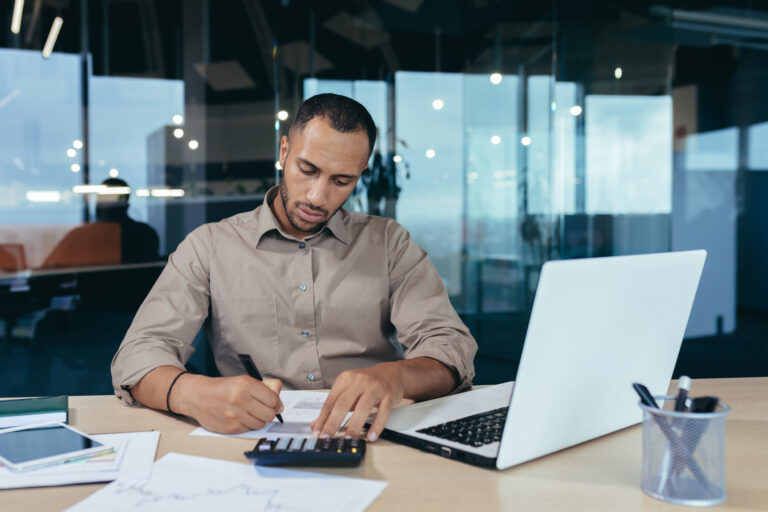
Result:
250,367
680,452
683,386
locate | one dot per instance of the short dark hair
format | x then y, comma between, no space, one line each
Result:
342,113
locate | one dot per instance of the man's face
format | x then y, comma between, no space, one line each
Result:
320,170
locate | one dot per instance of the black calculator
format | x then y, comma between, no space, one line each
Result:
299,451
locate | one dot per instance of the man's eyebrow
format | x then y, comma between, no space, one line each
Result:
307,162
316,168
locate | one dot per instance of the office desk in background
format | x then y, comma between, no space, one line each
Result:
603,474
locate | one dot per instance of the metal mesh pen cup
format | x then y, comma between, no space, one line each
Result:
684,454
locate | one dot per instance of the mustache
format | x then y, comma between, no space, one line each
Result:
310,207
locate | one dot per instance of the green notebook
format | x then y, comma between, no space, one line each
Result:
26,411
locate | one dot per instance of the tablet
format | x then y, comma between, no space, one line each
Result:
43,444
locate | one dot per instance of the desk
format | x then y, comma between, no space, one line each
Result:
603,474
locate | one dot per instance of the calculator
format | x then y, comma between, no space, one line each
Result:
299,451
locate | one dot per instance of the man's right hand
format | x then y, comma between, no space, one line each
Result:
228,405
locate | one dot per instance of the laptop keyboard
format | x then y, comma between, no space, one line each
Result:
477,430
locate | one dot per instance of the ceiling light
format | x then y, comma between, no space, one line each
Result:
43,196
430,153
575,110
52,36
495,139
496,78
277,165
87,189
18,9
114,191
142,192
437,104
77,144
71,153
177,119
618,73
113,173
282,115
525,141
167,192
397,159
178,133
74,168
193,144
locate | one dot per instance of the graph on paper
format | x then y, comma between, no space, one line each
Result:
184,483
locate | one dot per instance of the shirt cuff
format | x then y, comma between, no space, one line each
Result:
125,377
446,354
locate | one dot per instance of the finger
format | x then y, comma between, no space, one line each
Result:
275,385
380,421
317,424
363,408
256,415
264,393
340,409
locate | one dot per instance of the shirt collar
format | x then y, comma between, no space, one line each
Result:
266,220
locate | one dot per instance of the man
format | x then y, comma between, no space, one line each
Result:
320,297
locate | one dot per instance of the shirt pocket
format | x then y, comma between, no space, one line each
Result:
248,326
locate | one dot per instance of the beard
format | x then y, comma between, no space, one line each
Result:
292,217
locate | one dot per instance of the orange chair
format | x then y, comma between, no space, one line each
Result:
12,257
95,243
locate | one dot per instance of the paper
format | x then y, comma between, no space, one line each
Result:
133,459
185,483
301,407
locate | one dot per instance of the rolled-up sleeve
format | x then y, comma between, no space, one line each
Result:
170,317
426,323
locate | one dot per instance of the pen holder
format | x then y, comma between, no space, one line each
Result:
684,454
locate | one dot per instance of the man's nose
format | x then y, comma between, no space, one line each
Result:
318,193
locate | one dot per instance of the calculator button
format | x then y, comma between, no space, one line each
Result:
340,445
310,444
283,443
296,444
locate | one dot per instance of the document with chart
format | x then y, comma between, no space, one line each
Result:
185,483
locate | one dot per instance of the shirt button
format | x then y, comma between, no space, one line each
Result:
303,287
302,245
305,333
311,377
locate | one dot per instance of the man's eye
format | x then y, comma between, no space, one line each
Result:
342,183
307,172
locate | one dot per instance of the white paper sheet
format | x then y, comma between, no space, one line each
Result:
184,483
134,457
301,407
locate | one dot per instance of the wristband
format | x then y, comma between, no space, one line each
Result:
168,396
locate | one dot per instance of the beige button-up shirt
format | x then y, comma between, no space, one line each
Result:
357,293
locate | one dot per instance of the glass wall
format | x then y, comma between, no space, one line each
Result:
510,134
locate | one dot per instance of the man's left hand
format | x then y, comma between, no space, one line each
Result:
379,388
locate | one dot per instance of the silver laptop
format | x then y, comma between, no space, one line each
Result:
597,325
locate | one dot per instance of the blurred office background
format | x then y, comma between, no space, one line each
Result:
510,133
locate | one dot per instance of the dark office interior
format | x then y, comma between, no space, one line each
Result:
510,134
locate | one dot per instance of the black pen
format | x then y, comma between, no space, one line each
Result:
250,367
683,386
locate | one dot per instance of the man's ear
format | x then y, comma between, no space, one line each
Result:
283,150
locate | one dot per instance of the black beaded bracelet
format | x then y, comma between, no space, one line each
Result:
168,396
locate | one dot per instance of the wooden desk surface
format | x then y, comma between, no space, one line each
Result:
603,474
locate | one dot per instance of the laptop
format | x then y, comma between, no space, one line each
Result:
597,325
